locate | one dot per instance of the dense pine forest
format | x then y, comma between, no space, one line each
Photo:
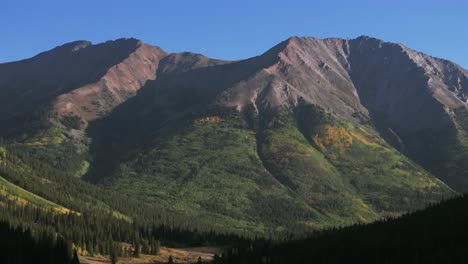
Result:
71,214
434,235
72,217
438,234
56,216
18,245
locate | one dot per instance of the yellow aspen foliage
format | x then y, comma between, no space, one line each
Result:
332,138
3,153
210,119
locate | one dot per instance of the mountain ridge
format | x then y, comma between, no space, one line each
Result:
331,131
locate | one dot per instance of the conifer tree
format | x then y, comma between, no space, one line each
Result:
157,247
136,251
114,257
75,259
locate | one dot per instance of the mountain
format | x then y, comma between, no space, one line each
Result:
315,132
77,77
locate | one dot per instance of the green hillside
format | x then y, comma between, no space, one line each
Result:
49,202
212,170
22,196
302,165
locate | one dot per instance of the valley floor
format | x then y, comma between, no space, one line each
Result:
179,255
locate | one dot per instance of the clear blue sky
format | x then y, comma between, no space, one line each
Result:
232,29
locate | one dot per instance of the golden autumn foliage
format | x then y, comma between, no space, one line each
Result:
332,138
45,141
2,155
210,119
364,140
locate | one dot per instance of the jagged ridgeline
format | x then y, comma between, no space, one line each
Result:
313,133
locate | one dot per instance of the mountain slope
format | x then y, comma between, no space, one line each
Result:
50,98
77,71
11,192
216,167
316,132
417,102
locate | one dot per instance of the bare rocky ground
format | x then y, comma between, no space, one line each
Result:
181,255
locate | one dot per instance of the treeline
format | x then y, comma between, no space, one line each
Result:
20,246
98,234
94,232
438,234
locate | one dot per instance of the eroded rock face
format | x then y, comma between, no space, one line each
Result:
77,78
120,82
30,83
313,69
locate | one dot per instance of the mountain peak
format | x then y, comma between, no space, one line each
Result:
366,37
128,41
82,44
72,46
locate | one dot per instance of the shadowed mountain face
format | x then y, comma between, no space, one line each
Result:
315,132
417,102
77,78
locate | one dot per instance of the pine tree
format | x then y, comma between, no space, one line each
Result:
216,259
114,257
157,247
136,252
75,259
